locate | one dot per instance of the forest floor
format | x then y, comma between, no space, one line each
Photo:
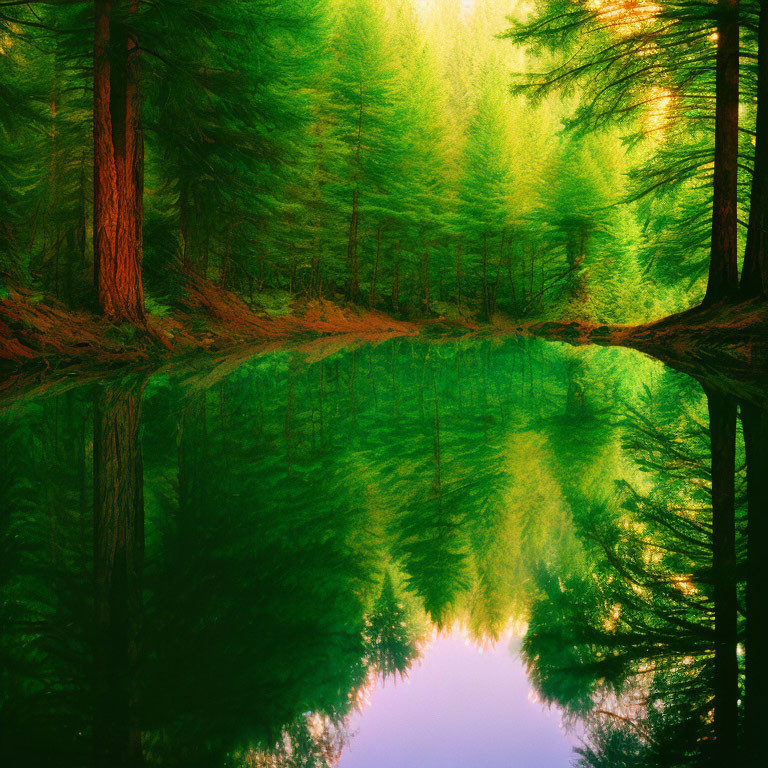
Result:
36,339
210,319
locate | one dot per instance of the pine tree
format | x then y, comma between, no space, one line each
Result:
361,112
484,190
390,645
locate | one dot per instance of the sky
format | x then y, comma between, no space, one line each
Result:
460,708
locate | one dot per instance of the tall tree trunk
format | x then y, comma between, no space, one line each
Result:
85,216
755,423
722,430
498,276
118,554
118,161
425,277
315,285
754,274
225,278
53,174
485,277
354,288
314,277
262,275
512,286
205,240
458,277
396,281
530,273
372,295
723,275
184,226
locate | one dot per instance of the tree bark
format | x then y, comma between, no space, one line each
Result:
754,273
458,277
425,277
722,430
315,285
396,282
118,164
354,288
184,227
372,294
498,276
755,423
118,554
485,277
722,283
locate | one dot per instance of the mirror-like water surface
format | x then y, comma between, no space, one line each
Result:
471,553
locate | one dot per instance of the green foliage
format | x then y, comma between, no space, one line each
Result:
371,151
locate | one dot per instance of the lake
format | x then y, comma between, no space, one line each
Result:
466,553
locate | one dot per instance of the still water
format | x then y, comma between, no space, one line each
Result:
469,554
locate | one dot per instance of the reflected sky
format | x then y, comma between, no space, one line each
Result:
462,705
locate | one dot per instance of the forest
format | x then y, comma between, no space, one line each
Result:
285,398
592,160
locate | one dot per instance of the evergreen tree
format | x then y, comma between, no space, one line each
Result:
389,637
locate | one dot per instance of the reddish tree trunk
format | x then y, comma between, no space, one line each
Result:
754,274
118,555
723,271
118,165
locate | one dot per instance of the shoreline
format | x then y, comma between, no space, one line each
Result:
728,342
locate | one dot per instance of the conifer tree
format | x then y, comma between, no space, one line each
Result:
484,190
388,635
361,111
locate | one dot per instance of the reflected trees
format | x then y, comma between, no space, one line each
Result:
118,561
224,563
646,644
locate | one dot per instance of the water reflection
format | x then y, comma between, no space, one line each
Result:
213,569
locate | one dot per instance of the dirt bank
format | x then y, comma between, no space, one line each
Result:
208,319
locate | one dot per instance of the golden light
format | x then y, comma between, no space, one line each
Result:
624,17
685,585
609,624
6,40
658,107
